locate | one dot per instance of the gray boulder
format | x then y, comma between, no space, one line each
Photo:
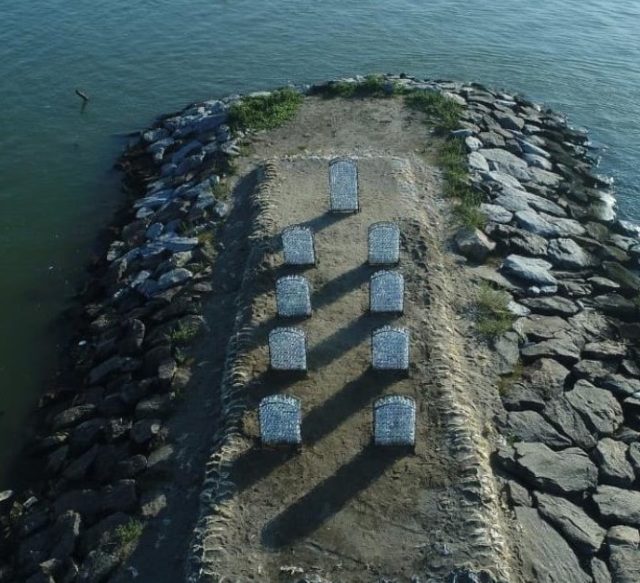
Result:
495,213
624,554
558,472
474,244
611,457
599,571
618,505
604,350
561,414
627,279
537,327
594,371
564,350
616,305
509,121
533,271
634,457
546,555
567,254
478,162
573,522
173,278
546,225
530,426
551,306
599,408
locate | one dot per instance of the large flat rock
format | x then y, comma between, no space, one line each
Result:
577,527
558,472
618,505
547,556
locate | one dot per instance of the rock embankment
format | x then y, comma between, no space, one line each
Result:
102,441
571,389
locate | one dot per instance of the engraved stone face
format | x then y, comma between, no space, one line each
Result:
297,246
292,296
386,292
394,421
384,244
343,186
390,348
280,419
288,349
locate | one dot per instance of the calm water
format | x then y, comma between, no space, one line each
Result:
140,59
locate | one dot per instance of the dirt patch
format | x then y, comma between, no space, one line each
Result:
340,507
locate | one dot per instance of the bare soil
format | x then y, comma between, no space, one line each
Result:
338,508
341,508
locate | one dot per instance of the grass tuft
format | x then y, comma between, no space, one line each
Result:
440,110
493,317
452,158
129,533
265,112
372,86
183,334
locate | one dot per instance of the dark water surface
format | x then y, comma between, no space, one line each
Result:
137,60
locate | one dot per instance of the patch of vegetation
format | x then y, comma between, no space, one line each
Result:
372,86
183,334
507,381
265,112
443,112
221,191
206,237
452,158
493,316
129,533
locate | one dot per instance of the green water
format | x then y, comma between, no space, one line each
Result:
137,60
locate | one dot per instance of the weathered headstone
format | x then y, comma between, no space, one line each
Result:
280,420
386,292
394,421
288,349
297,246
390,349
384,243
293,298
343,186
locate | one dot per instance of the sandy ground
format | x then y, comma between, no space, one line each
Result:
340,507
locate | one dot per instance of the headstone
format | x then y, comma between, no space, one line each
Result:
292,296
386,292
390,349
288,349
280,419
343,186
297,246
384,244
394,421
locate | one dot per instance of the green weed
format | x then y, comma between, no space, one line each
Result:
130,532
444,113
493,316
265,112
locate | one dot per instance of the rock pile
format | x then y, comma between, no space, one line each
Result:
572,417
102,438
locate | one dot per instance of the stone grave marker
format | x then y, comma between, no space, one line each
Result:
293,298
343,186
288,349
394,421
384,243
386,292
390,349
280,419
297,246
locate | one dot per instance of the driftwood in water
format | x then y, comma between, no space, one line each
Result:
82,95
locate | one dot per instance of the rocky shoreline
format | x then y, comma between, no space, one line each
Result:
569,461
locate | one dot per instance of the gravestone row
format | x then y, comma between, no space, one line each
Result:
394,421
383,243
389,349
393,416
